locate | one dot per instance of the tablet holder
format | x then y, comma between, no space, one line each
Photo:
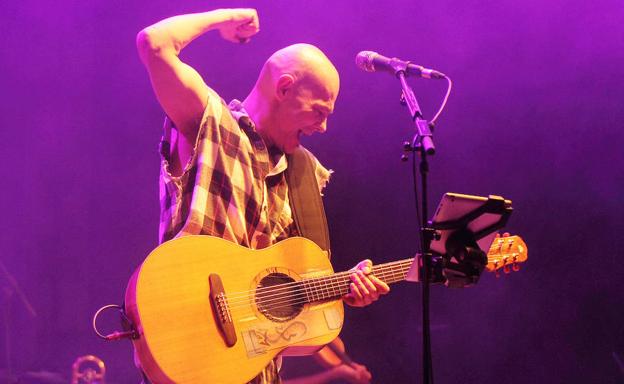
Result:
460,261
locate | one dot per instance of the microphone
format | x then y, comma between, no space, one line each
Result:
372,62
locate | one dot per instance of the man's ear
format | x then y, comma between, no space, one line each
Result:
284,85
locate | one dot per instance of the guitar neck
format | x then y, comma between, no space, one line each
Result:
504,252
336,285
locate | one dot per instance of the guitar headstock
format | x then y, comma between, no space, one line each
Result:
506,252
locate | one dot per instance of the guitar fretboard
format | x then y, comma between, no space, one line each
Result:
337,285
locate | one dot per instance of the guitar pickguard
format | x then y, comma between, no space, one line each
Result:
268,335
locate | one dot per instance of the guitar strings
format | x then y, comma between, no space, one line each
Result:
298,296
312,284
376,270
308,284
248,311
334,283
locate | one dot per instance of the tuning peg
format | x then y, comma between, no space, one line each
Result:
500,244
515,265
497,272
506,269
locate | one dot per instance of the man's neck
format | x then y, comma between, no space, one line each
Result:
257,109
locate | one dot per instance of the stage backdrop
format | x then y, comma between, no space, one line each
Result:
535,116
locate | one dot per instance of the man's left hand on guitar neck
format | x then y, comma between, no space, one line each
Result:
365,288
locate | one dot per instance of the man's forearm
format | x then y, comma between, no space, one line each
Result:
171,35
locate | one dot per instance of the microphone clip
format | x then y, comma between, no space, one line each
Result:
399,66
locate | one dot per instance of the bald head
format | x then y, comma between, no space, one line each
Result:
307,65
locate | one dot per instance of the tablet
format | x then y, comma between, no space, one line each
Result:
483,216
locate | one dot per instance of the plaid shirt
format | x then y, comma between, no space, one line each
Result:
228,188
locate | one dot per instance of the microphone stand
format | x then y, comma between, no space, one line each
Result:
422,143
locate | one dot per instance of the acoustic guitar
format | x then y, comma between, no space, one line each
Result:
206,310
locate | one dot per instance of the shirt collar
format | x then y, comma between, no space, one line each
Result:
238,111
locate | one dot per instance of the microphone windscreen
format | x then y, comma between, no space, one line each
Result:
364,61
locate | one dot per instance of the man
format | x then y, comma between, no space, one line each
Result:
223,168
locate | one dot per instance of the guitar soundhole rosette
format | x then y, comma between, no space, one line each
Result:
282,303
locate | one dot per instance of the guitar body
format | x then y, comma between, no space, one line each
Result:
209,311
181,330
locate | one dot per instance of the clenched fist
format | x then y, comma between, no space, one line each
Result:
240,24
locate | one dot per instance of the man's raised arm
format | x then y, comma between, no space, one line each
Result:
180,90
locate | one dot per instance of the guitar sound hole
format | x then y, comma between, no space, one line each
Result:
280,303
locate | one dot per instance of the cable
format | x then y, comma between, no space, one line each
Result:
117,335
448,92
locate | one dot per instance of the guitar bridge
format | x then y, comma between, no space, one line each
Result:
221,310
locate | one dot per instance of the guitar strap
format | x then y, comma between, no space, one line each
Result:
305,199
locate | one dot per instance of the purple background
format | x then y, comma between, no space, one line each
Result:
536,116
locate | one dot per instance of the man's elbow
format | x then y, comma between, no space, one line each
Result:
149,43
